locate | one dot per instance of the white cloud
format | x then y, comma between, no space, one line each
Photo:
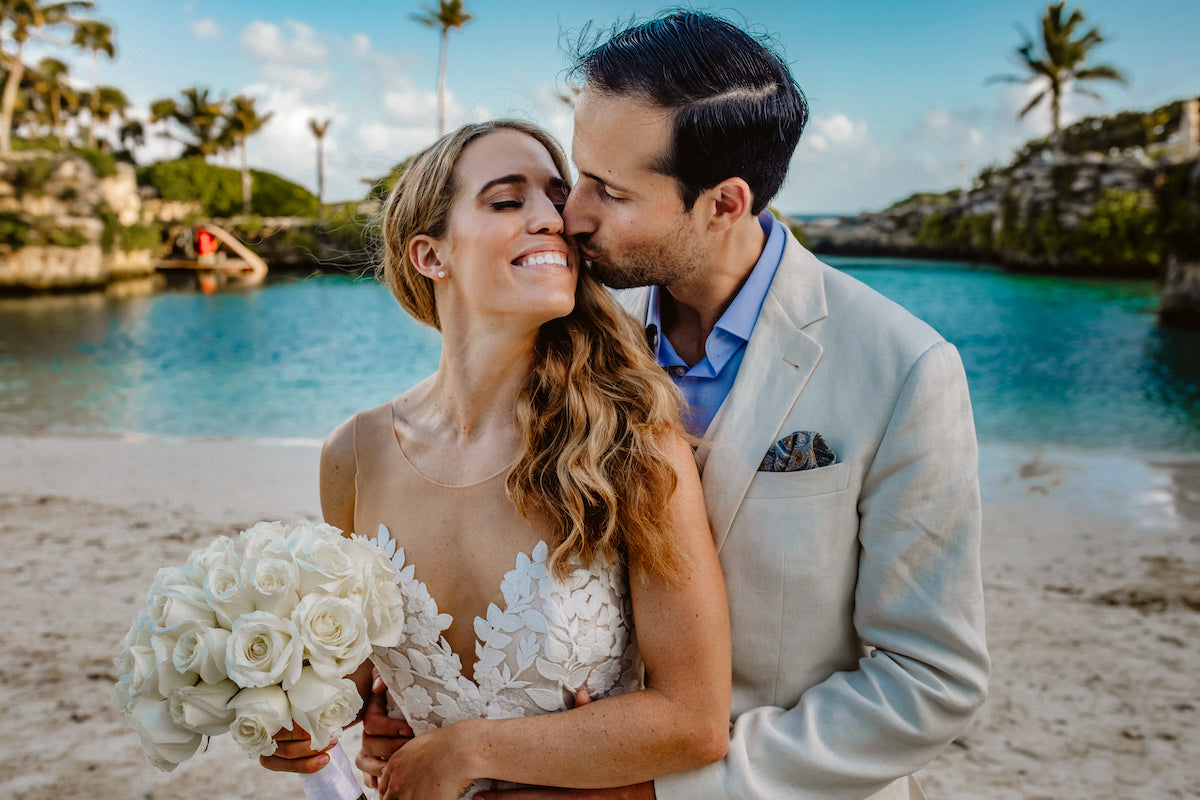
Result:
204,29
832,166
833,133
294,58
361,44
409,105
286,145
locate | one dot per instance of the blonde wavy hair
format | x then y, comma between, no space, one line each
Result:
596,409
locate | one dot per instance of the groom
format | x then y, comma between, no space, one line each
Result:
838,449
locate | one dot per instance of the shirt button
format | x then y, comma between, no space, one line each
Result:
679,372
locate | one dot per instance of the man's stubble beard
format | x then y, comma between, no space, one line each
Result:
664,261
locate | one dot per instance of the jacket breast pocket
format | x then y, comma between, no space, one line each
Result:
802,483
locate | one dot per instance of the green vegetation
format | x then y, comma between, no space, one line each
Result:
19,229
278,197
219,189
16,229
1177,198
102,163
30,176
1121,234
126,237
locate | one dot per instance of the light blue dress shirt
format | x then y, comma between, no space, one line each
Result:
706,383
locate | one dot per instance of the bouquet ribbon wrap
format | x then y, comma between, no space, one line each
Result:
334,781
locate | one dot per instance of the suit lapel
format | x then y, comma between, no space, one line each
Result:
779,359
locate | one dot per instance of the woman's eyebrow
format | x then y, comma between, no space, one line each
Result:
507,179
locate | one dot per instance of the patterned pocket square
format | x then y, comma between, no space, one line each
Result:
797,451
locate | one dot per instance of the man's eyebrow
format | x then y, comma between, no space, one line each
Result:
515,178
604,182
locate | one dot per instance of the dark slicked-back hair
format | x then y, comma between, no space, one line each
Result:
738,111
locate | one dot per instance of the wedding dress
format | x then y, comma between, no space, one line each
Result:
548,637
551,638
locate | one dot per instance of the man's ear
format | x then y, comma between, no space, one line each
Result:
423,253
728,203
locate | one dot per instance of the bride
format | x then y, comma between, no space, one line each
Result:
541,495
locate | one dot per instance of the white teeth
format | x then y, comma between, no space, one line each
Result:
543,258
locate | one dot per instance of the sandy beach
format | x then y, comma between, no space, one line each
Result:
1091,568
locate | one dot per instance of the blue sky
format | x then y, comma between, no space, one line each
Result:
897,90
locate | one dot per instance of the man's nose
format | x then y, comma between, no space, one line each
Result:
576,216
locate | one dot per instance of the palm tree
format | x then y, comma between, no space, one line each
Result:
1058,67
242,121
448,15
318,128
132,133
54,94
21,20
104,102
98,37
198,115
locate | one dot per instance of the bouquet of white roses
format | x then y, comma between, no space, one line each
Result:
254,633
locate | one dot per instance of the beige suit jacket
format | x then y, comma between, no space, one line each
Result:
854,589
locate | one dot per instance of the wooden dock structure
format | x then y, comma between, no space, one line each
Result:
231,266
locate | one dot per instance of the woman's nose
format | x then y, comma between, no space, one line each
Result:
547,217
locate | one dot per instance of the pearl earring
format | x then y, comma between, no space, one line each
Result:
441,273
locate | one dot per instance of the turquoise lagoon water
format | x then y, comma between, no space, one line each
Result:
1049,360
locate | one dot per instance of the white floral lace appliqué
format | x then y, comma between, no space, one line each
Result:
552,638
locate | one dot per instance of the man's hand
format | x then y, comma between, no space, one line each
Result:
639,791
382,735
294,752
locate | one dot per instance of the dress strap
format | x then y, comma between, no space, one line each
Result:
374,456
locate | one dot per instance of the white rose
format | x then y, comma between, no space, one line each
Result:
227,594
264,650
258,715
201,650
122,697
377,594
323,707
139,632
165,743
220,552
175,604
334,634
273,583
323,563
168,676
383,606
267,539
203,708
186,575
137,668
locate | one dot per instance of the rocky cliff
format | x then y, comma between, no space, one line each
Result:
1117,196
72,220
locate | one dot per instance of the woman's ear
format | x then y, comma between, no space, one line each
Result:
423,253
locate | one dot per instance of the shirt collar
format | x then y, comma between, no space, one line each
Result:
739,318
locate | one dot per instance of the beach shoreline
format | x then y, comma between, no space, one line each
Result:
1091,573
